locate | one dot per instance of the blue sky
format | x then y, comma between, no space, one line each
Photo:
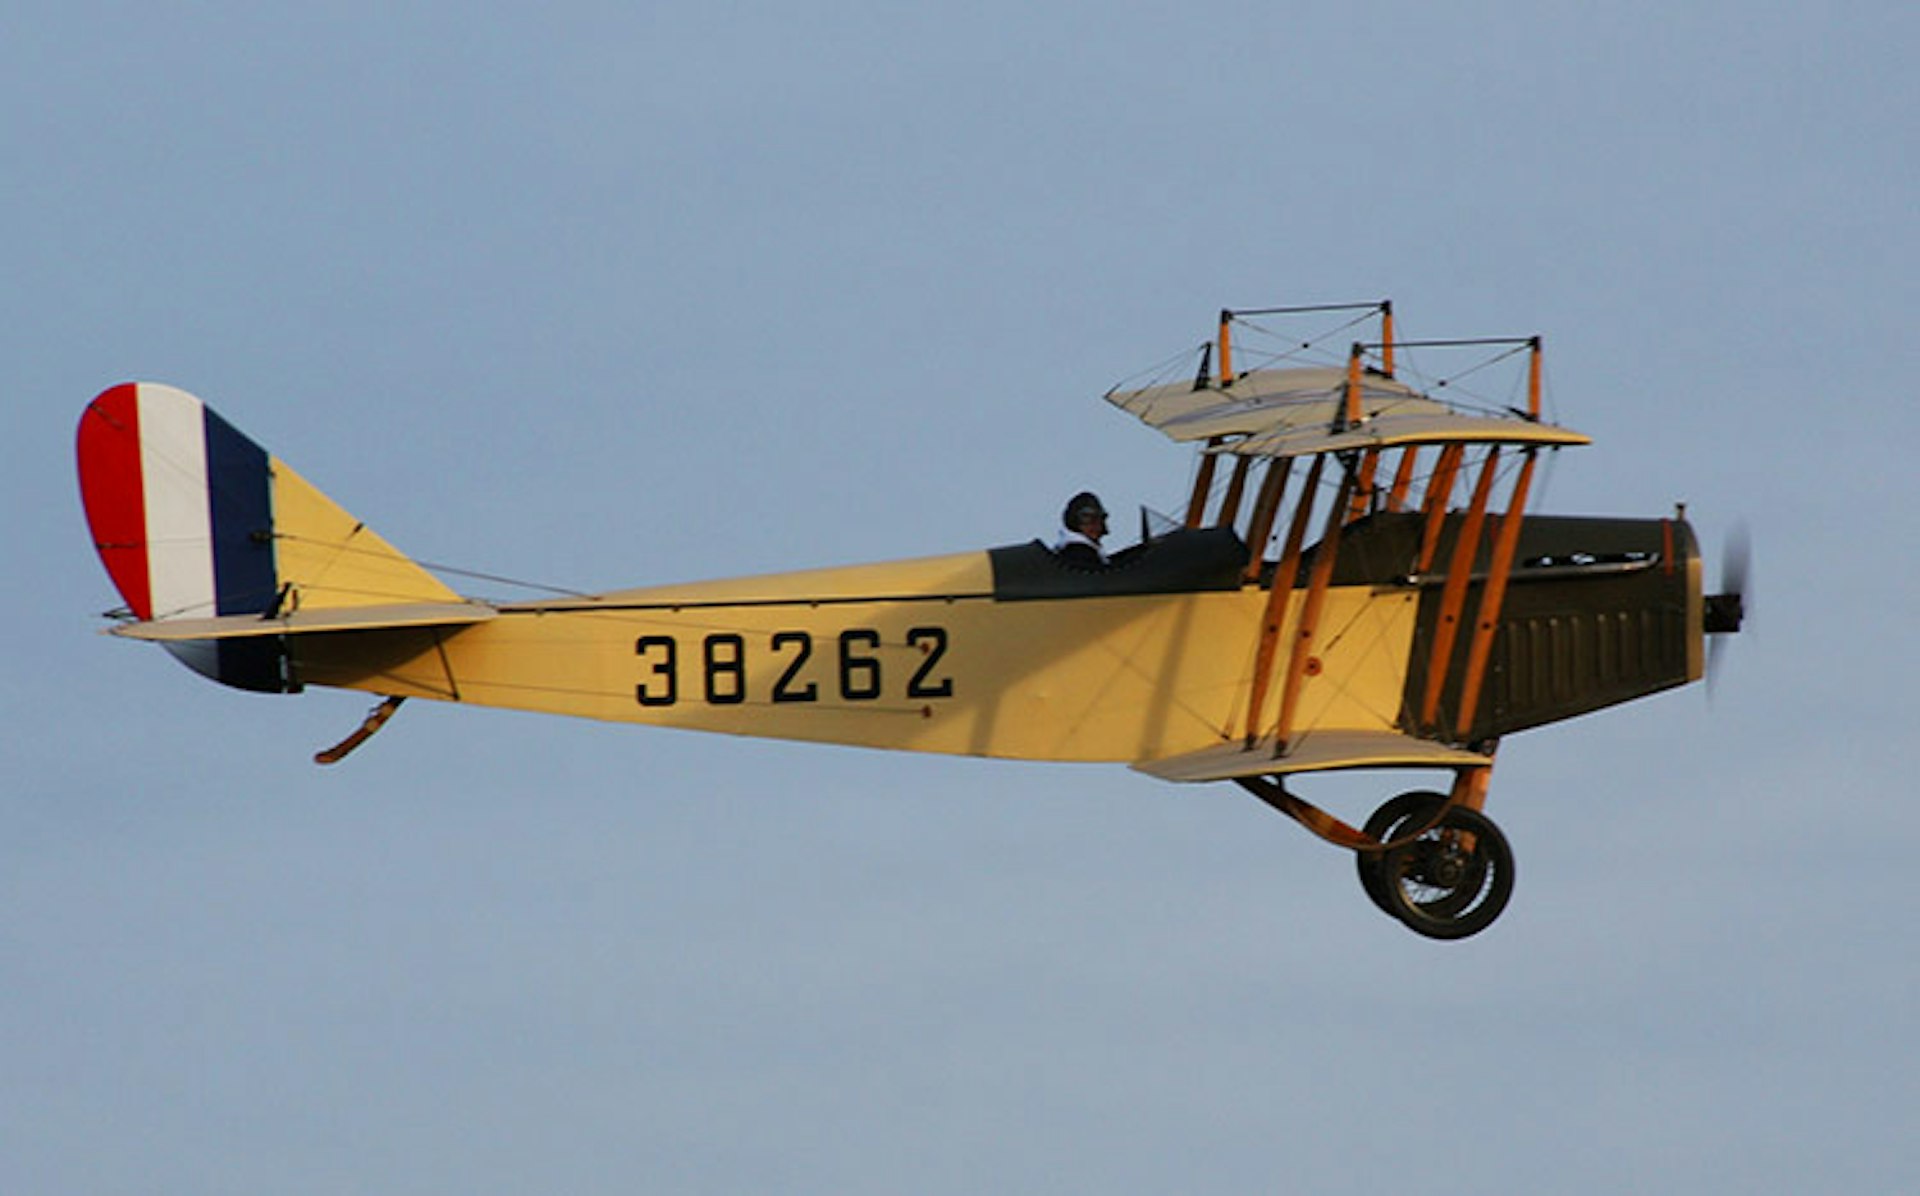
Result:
605,294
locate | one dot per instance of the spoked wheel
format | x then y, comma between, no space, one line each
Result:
1395,817
1450,882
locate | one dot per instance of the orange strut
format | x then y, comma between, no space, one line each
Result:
1499,570
1272,487
1226,348
1278,594
1403,478
1202,485
1454,596
1439,490
1363,488
1323,555
1237,486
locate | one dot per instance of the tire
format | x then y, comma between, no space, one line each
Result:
1439,886
1415,807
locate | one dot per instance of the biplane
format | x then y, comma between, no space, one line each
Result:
1355,584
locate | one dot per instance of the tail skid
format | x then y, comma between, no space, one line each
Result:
365,731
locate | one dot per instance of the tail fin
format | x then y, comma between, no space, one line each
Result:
193,520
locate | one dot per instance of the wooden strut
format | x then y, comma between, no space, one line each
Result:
1279,592
1203,484
1403,478
1470,783
1273,488
1350,412
1236,488
1386,336
1533,379
1454,596
1362,500
1434,505
1273,791
1297,666
374,721
1469,789
1499,571
1226,348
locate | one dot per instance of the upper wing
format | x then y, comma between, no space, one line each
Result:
1300,412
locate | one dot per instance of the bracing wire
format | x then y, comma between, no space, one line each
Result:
441,567
1298,349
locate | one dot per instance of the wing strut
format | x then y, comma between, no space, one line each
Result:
1279,591
1318,581
1454,596
1499,570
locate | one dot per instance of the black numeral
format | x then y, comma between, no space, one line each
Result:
784,690
666,689
859,675
726,661
933,642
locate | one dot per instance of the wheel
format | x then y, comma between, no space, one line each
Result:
1453,880
1411,809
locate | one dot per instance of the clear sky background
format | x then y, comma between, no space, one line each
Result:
608,294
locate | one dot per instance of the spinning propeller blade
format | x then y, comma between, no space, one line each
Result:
1727,610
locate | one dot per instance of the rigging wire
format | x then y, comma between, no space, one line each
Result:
1298,349
1160,371
508,581
1475,399
435,566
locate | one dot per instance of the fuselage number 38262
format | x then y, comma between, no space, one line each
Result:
853,670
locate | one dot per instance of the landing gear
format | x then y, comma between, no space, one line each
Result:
1444,875
1434,862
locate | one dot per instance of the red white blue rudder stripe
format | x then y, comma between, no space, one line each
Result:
180,504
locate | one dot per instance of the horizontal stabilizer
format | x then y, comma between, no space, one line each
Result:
1315,751
308,622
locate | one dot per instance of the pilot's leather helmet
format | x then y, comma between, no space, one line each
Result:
1079,507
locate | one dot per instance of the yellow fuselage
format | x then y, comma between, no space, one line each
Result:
915,655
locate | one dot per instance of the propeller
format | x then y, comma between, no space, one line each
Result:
1727,610
1736,560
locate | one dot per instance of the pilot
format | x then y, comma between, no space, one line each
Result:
1082,525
